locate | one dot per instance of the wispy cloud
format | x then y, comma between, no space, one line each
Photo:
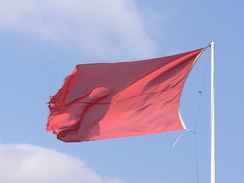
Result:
27,164
94,27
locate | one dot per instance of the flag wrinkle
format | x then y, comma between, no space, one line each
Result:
108,103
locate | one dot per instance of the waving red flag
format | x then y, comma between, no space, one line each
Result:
111,100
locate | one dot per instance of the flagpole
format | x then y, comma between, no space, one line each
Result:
213,152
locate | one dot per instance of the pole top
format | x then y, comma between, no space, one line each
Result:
212,44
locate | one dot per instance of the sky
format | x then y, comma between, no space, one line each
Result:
41,41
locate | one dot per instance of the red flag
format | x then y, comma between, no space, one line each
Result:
111,100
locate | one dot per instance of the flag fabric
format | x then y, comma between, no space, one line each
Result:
111,100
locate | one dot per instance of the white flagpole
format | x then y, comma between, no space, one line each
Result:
213,153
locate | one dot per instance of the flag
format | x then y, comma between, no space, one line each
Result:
112,100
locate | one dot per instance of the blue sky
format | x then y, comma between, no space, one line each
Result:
42,41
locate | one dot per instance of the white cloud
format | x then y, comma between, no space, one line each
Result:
95,27
27,164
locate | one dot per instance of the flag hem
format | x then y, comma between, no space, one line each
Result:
196,59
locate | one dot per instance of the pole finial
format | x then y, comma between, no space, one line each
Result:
212,44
